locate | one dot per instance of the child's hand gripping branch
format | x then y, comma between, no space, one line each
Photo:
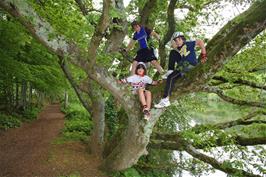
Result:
138,82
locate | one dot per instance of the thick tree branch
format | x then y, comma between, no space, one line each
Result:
75,86
257,69
183,145
119,29
241,82
99,31
146,12
84,10
234,100
82,7
170,30
41,30
229,124
176,142
216,164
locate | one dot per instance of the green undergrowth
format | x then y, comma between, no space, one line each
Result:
15,119
72,175
78,124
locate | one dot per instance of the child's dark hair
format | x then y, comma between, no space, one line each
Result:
135,23
140,66
181,37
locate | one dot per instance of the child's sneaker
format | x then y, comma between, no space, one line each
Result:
163,103
164,76
147,114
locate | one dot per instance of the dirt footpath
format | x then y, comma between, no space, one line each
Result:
28,151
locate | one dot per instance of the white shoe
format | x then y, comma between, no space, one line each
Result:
163,103
167,74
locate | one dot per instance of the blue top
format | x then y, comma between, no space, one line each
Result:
188,53
142,37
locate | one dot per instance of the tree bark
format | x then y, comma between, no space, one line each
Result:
146,12
170,31
30,94
120,25
17,95
240,81
98,117
65,99
216,164
23,100
234,100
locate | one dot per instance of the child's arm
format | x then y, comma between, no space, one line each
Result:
156,35
203,54
130,45
122,81
127,80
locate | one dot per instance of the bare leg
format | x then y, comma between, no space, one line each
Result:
157,66
142,97
148,98
134,66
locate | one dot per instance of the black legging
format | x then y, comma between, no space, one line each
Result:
170,82
174,58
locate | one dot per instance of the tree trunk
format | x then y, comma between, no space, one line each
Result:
98,118
30,94
97,135
133,142
65,99
23,100
17,94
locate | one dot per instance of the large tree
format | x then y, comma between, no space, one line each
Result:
85,48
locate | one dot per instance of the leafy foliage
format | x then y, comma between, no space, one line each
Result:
8,122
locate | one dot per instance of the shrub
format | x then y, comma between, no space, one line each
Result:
78,125
7,121
31,113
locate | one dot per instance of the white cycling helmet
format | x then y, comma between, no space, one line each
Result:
142,63
177,34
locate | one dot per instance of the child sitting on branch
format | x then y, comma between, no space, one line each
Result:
138,82
183,53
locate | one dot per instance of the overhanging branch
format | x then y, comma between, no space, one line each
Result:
216,164
176,142
183,145
82,7
146,12
170,30
241,82
234,100
75,86
229,124
99,31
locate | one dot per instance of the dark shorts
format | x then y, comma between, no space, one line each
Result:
145,55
